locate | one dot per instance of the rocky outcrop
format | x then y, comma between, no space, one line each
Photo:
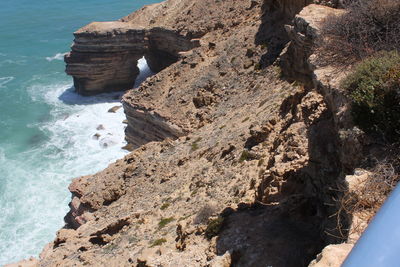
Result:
301,61
104,55
332,256
245,166
146,126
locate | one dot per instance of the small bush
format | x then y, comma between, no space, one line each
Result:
194,146
244,156
164,221
367,27
374,89
165,206
371,195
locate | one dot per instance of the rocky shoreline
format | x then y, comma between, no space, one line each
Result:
242,140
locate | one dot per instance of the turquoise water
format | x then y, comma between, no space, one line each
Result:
46,130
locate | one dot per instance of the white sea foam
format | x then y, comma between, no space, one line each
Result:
5,80
33,185
58,56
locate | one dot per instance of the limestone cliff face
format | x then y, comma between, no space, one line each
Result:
104,55
234,166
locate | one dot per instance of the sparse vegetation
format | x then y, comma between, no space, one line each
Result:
164,221
164,206
372,193
158,242
195,146
244,156
194,192
374,89
277,70
368,26
214,227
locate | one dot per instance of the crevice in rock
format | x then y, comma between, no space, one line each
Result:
114,227
307,193
102,237
73,219
98,240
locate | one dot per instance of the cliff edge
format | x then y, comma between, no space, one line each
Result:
239,139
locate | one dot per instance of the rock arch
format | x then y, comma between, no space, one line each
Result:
104,55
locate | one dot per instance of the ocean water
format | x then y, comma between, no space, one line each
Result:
46,130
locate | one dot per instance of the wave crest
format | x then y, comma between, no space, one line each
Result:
58,56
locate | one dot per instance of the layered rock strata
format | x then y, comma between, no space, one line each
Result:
104,55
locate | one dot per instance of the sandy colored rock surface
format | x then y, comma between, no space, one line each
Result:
332,256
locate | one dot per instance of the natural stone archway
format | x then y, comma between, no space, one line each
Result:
104,55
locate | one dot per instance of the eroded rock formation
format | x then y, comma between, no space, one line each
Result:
104,55
245,166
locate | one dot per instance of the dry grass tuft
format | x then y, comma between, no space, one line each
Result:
365,200
373,193
367,27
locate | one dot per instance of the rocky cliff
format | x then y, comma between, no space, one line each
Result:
104,55
234,166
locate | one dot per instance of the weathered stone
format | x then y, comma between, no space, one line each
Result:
114,109
96,136
100,127
104,54
332,256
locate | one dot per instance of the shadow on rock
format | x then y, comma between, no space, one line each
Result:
272,34
266,236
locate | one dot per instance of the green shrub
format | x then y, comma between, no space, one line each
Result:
244,156
195,146
164,221
374,89
165,206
